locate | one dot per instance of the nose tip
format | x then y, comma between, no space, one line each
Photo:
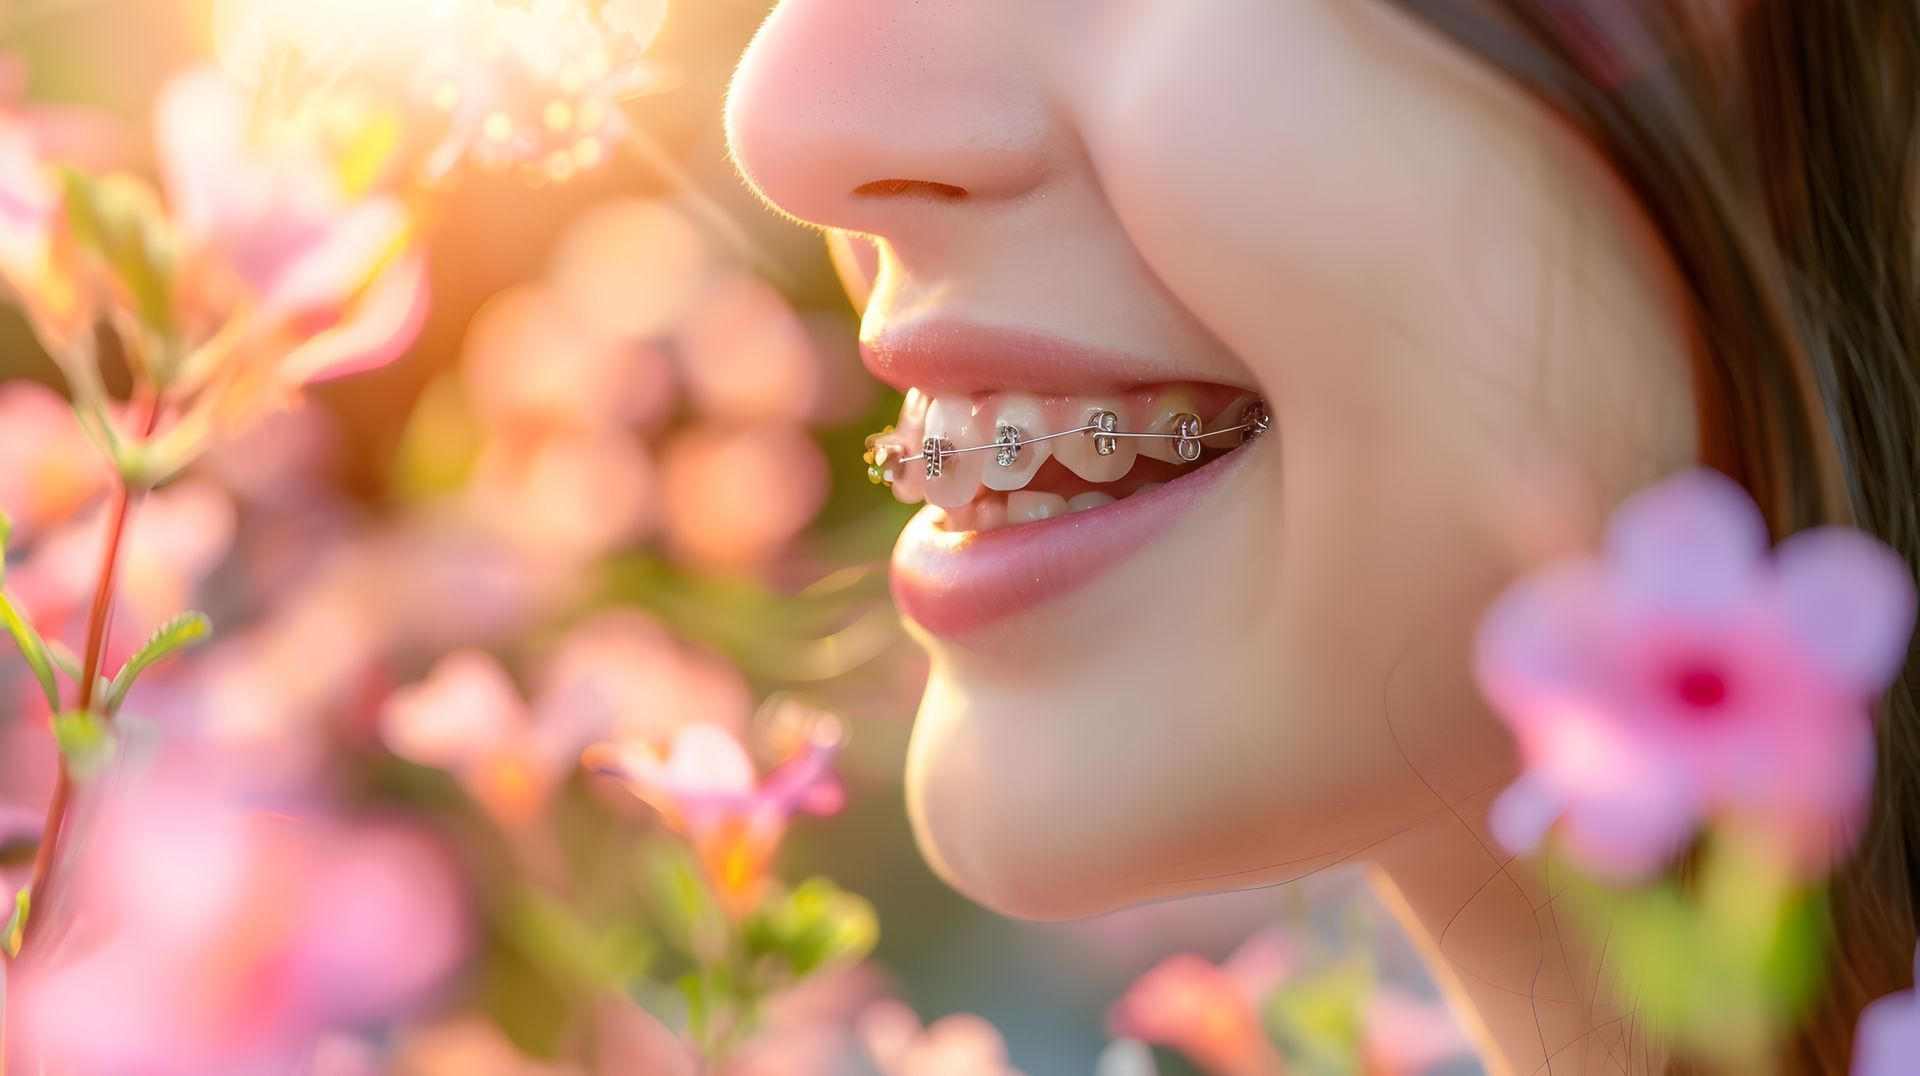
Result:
865,114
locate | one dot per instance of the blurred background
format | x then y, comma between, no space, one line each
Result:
612,491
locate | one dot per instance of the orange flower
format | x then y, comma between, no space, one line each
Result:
705,787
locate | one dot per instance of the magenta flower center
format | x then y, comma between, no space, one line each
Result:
1700,687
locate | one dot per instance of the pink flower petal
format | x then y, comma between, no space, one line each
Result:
705,776
1887,1039
1522,815
806,782
333,268
1691,543
1631,834
1849,600
379,328
466,708
1536,646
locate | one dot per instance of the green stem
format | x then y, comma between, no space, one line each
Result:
98,622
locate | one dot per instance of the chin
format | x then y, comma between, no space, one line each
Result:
1030,805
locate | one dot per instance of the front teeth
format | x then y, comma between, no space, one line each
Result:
954,422
1092,498
1028,506
1090,455
946,450
1022,413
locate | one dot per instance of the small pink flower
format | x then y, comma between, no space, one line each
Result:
960,1044
1209,1012
468,718
705,786
1688,675
1213,1014
289,275
615,674
1887,1040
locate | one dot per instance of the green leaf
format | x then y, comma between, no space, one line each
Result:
64,659
6,536
85,740
817,925
17,924
175,635
1319,1020
119,219
705,991
31,648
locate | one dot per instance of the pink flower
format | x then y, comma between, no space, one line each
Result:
468,718
614,672
1213,1014
289,274
1688,675
705,786
214,936
1887,1040
1209,1012
961,1044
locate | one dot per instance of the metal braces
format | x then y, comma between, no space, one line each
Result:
1188,432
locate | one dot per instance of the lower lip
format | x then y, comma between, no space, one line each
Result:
953,584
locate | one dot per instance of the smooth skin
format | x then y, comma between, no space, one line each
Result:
1473,345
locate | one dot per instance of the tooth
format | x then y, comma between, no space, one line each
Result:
952,420
1025,414
1029,506
1231,415
990,513
1157,415
909,483
1081,454
1092,498
958,520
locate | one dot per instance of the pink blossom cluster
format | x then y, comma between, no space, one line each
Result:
1691,676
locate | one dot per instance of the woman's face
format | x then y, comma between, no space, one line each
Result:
1467,338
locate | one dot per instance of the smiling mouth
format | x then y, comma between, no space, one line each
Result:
1045,464
999,460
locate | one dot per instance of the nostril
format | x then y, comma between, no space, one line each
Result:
923,188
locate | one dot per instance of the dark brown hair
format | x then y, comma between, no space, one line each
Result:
1772,143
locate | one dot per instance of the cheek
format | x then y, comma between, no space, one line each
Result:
1467,333
1336,187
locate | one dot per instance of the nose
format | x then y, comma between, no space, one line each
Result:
883,116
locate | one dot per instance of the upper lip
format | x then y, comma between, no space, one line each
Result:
940,356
